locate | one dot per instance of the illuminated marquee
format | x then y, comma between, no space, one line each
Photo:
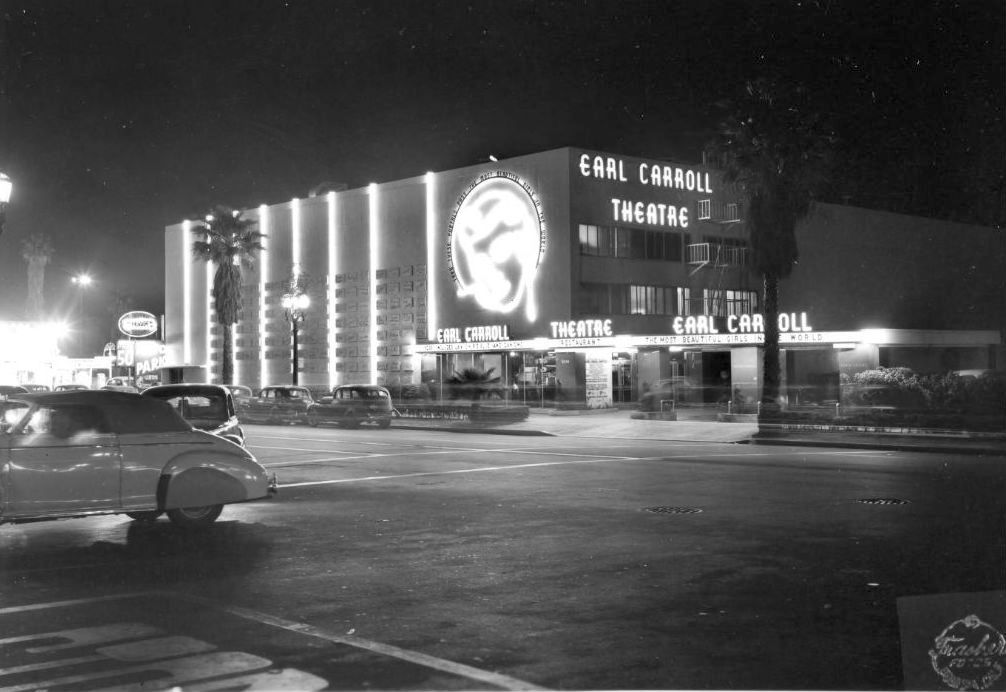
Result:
495,240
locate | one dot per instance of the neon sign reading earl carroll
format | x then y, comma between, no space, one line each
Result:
740,324
458,335
652,174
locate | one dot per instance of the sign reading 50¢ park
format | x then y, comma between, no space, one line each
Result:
138,324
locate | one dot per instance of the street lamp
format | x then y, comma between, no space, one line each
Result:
6,187
82,281
295,304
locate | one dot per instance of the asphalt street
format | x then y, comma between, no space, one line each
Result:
411,559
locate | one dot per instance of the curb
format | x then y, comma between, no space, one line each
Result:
905,446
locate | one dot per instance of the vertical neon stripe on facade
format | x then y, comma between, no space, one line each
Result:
295,236
234,346
263,267
186,293
372,190
431,252
331,290
209,322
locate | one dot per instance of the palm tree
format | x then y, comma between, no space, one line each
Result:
474,384
36,250
778,151
230,243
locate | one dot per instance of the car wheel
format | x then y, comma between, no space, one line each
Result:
386,423
312,419
195,517
144,516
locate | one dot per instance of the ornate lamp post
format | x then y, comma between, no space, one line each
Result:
295,304
6,187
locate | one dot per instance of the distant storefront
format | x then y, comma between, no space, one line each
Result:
30,354
585,278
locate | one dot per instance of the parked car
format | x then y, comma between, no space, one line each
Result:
70,387
121,384
241,394
7,390
208,407
278,404
74,454
352,405
145,381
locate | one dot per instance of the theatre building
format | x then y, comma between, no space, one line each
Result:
583,278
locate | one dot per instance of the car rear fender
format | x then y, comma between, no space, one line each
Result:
197,480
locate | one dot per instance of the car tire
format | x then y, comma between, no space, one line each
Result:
195,517
386,423
312,419
144,517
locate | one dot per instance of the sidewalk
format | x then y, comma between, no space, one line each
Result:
615,423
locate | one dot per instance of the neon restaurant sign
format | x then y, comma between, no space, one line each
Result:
495,241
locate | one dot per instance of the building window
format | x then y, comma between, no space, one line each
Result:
705,209
622,299
684,302
588,240
630,243
721,303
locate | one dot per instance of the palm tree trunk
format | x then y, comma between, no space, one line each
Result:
771,377
227,366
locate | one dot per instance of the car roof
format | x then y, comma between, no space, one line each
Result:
127,412
183,388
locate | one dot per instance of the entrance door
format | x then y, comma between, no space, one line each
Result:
621,378
716,377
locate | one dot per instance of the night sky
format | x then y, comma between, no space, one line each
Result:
119,118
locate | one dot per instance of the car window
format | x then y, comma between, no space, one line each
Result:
12,412
145,414
198,406
65,421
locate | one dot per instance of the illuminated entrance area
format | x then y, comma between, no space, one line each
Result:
521,378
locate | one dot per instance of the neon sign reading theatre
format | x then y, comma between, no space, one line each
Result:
495,242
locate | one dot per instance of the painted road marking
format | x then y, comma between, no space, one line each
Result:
158,662
481,469
167,661
484,469
443,665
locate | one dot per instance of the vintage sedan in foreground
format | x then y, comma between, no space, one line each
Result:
74,454
277,404
208,407
352,405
